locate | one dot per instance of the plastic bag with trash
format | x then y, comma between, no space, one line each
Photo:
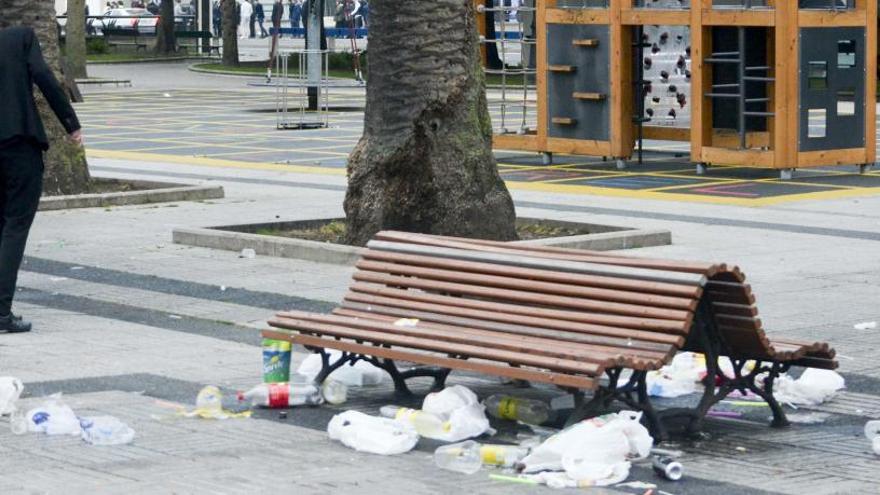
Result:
360,374
814,387
10,391
105,430
372,434
462,409
53,417
595,452
680,377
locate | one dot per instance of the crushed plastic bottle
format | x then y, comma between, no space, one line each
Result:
529,411
467,457
872,432
426,424
461,457
10,391
105,430
275,395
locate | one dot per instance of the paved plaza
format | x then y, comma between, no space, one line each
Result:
131,325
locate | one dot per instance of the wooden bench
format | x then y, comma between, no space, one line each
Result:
116,37
576,319
198,36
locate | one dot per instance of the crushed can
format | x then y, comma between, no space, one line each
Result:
276,361
667,467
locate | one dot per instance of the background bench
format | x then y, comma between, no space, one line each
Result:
116,37
197,38
559,316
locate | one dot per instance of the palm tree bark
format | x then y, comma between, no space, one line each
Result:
229,9
165,41
67,171
75,40
424,162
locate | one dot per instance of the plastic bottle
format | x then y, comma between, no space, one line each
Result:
275,395
872,432
18,422
467,457
529,411
105,430
461,457
426,424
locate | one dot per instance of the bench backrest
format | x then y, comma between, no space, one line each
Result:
623,299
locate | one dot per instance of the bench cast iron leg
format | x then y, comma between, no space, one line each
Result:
439,375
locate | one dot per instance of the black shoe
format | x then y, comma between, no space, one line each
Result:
14,324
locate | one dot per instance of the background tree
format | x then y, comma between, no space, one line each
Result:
165,40
67,171
75,39
229,14
424,162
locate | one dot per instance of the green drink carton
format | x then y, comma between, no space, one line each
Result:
276,361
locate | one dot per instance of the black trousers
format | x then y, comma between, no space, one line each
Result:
21,183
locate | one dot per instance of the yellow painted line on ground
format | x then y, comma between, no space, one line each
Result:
294,151
524,186
692,198
707,183
212,162
809,184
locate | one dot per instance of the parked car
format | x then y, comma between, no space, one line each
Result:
93,26
140,20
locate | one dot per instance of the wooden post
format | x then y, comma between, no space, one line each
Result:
786,98
870,79
621,111
701,81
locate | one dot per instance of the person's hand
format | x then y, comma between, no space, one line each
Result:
77,137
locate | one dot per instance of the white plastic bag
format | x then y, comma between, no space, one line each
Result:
10,391
105,430
680,377
372,434
814,387
582,445
462,409
360,374
53,417
449,399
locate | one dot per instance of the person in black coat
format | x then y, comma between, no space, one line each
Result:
22,142
260,14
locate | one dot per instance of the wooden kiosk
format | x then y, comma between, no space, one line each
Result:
780,84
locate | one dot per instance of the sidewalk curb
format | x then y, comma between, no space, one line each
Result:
193,68
614,238
165,194
157,60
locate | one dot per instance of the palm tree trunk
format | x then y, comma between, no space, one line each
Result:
75,41
229,27
165,41
67,171
424,162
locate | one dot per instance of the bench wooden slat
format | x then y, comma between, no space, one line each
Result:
553,252
624,322
496,312
607,355
520,296
428,344
735,309
538,346
531,285
520,325
635,286
562,380
560,263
